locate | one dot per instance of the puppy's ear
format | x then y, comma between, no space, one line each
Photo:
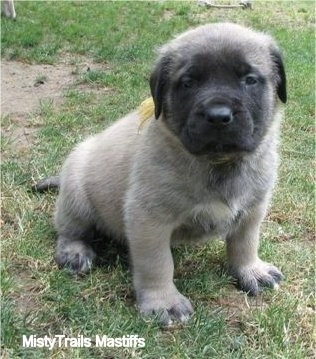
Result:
281,84
158,81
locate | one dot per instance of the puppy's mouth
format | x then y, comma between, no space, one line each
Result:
199,144
244,146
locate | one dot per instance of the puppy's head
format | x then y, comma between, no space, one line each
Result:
216,87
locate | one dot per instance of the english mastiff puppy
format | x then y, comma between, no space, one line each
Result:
204,165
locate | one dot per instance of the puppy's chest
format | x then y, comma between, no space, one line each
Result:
217,207
215,215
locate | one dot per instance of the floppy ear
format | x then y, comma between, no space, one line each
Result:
281,85
158,80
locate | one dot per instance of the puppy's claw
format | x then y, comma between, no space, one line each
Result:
164,318
182,314
276,286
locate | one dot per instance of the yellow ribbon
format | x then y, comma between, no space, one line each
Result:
146,111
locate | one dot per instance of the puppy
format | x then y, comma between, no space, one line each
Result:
204,165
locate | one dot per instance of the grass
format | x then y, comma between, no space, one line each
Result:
37,298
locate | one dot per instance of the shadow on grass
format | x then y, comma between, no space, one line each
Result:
110,252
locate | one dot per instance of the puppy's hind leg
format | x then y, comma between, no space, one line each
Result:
73,250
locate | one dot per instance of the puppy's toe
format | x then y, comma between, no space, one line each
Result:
181,312
276,275
75,256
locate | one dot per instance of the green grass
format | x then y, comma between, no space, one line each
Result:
37,298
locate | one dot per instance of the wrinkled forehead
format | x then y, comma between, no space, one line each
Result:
202,64
214,50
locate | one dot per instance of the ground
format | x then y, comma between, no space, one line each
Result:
26,87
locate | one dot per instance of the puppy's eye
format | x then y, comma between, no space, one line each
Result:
250,80
187,82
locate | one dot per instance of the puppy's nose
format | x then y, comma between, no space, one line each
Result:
219,115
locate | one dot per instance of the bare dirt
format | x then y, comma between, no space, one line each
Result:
25,87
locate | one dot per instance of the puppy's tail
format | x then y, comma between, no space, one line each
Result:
47,184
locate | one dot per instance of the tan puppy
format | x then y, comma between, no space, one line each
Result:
205,167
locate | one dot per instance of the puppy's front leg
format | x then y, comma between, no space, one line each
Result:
245,265
149,243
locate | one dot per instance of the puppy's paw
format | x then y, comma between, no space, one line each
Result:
169,306
75,256
253,278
